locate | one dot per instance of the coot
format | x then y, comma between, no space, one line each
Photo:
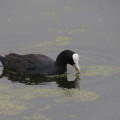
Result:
40,64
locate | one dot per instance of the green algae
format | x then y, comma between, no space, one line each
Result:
60,75
70,94
44,108
49,13
64,43
37,117
99,70
63,38
48,45
57,19
72,116
17,100
10,103
8,107
5,87
11,99
76,95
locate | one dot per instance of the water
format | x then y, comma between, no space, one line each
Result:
89,27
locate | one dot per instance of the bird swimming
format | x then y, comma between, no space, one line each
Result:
38,64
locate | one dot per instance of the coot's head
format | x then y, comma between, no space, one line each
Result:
68,57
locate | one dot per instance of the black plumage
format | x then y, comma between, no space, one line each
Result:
38,63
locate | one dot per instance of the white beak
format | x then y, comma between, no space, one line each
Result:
77,68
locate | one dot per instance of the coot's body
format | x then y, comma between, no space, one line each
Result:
38,63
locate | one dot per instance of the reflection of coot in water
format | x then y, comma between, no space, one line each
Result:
64,83
35,64
61,80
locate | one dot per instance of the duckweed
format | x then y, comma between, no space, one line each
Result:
5,87
72,116
37,117
8,107
70,95
47,45
49,13
11,98
44,108
62,38
99,70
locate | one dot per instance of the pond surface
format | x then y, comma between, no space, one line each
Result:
89,27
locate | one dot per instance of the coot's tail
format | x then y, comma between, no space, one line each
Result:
2,60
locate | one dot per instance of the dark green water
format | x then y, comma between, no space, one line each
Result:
89,27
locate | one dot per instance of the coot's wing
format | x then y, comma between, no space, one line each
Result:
31,63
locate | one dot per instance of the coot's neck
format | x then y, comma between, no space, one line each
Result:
61,62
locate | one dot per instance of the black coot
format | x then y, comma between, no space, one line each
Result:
40,64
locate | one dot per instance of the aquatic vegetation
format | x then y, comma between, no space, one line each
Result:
62,38
23,93
57,19
99,70
72,116
49,13
14,101
37,117
11,99
5,87
70,95
8,107
44,108
60,75
47,45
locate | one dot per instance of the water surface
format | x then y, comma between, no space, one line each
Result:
89,27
